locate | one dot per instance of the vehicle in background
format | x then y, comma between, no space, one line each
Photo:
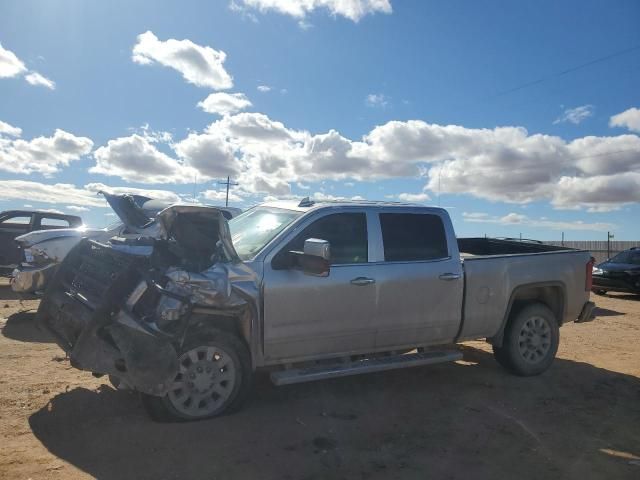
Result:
308,290
45,250
618,274
14,223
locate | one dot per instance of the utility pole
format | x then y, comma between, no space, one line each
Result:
228,183
609,237
562,243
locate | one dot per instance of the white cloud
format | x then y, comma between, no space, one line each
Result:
224,103
413,197
264,88
200,65
513,219
9,130
34,78
10,64
575,115
77,208
44,155
628,119
136,159
157,194
352,9
219,196
60,193
376,100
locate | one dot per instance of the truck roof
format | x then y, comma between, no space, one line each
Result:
307,204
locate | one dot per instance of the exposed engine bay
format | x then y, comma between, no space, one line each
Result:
123,308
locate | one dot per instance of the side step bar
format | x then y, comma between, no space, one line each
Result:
378,364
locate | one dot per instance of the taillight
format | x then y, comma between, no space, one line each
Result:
588,282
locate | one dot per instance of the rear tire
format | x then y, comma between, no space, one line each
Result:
600,292
530,341
214,379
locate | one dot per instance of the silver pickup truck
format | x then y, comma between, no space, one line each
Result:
307,290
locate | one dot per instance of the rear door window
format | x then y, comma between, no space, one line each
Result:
410,237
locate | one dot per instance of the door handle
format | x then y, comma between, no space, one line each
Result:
449,276
361,281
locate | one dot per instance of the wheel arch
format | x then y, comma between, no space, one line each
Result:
550,294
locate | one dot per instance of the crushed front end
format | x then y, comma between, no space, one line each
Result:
123,308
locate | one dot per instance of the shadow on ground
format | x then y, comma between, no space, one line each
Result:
622,296
22,326
468,419
605,312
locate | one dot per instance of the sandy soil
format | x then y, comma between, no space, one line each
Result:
469,419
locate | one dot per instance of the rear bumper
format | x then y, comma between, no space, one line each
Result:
27,279
586,315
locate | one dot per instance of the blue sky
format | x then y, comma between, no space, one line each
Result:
520,117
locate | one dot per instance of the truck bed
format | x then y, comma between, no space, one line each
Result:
484,247
494,269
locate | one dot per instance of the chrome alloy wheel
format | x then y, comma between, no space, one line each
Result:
204,383
534,341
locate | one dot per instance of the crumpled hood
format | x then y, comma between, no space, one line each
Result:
33,238
129,209
170,223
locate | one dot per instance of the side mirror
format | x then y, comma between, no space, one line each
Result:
315,258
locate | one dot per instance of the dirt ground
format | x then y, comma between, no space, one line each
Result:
468,419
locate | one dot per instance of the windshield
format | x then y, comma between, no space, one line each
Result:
628,257
253,229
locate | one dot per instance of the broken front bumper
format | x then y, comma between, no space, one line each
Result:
85,310
32,279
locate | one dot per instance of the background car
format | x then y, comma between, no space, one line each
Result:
14,223
618,274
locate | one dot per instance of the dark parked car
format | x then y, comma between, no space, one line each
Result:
618,274
14,223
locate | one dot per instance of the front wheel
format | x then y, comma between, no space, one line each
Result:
214,378
530,341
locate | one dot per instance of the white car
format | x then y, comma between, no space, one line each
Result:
44,250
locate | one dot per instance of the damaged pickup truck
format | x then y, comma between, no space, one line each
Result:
310,291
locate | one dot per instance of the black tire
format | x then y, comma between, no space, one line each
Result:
163,409
530,341
600,292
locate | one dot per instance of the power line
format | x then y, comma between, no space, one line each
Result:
568,70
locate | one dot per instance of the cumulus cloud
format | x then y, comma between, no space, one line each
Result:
10,64
45,155
34,78
224,103
200,65
500,164
513,219
137,159
575,115
352,9
628,119
9,130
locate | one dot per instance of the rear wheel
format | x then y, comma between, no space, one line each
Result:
214,378
600,292
530,341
